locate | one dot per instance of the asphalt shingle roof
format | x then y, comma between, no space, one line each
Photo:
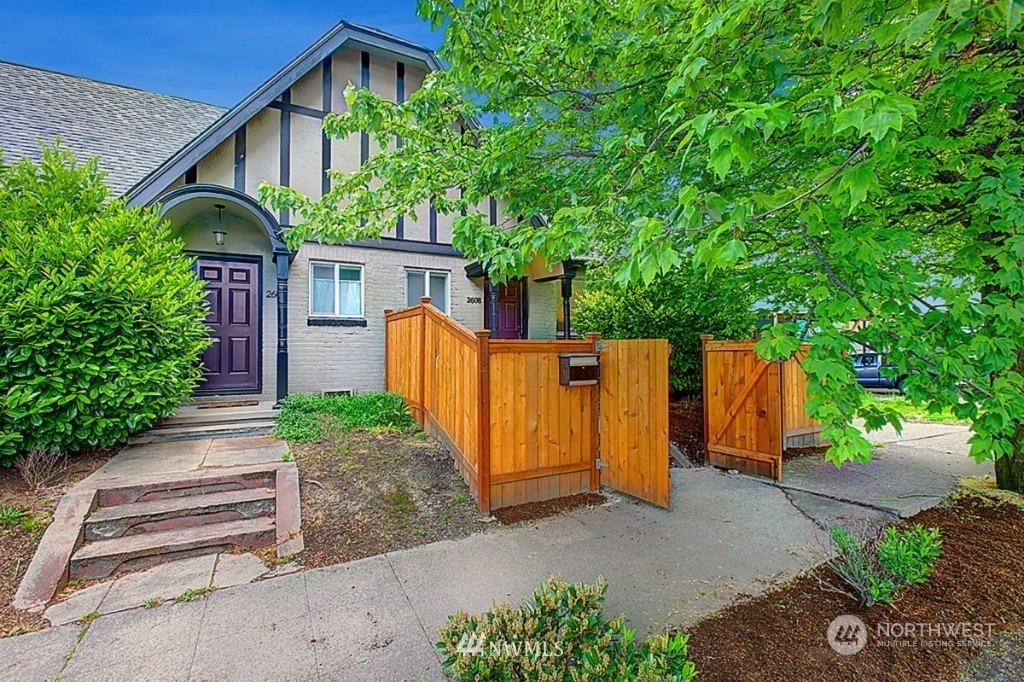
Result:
131,131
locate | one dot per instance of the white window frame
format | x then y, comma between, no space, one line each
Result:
337,289
427,272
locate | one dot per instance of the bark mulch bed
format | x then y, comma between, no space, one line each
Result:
532,511
686,427
366,493
781,635
18,540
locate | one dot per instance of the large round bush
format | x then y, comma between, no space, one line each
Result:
101,317
679,306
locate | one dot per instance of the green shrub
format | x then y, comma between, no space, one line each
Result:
679,307
101,317
877,569
303,417
910,555
560,633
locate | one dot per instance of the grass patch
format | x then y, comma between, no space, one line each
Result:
985,487
399,501
152,602
11,515
911,412
307,418
194,594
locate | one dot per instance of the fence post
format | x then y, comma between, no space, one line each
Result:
424,302
595,420
483,460
387,364
704,338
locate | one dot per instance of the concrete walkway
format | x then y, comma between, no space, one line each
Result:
378,618
911,471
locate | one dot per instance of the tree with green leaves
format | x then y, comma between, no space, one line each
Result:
851,159
102,321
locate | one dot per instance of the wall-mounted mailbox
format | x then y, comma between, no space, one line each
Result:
578,369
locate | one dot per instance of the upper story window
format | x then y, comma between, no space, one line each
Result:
336,289
433,283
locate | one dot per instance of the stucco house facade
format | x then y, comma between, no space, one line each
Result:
310,320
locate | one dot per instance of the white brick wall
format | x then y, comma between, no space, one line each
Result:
340,358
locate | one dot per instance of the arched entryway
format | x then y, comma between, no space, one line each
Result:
240,254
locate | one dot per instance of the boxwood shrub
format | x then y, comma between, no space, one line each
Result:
101,317
560,633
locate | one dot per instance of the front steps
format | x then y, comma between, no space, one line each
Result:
137,525
195,422
106,526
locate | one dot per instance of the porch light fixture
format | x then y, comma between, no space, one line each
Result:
219,233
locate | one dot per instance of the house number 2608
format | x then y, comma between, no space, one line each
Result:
473,299
271,293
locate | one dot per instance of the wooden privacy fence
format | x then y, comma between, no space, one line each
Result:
753,410
516,434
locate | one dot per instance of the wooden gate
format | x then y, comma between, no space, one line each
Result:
634,418
753,409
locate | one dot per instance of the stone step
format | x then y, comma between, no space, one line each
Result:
96,560
179,512
180,485
218,415
262,427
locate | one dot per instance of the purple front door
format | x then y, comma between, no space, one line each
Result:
232,363
510,311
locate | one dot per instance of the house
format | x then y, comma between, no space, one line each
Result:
310,320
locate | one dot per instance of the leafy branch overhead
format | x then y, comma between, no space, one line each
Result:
849,160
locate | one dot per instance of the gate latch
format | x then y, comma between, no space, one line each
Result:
601,464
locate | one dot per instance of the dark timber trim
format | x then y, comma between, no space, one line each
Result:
325,142
192,175
407,245
344,34
433,222
400,96
494,211
364,82
286,149
297,109
240,159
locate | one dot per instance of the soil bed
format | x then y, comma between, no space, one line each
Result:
782,635
19,539
686,427
532,511
368,493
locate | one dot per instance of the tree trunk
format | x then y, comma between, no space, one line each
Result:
1010,469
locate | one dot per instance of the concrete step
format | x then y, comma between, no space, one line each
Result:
218,415
96,560
180,485
179,512
262,427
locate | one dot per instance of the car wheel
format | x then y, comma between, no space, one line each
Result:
899,386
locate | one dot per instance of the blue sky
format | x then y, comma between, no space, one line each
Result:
211,51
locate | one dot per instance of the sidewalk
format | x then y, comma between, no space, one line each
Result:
378,618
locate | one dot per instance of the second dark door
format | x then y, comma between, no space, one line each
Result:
232,363
511,306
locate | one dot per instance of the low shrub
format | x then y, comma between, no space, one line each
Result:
877,569
679,306
303,418
559,633
40,467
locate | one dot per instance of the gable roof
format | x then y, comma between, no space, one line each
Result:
150,187
131,131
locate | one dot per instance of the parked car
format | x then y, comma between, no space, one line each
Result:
873,372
